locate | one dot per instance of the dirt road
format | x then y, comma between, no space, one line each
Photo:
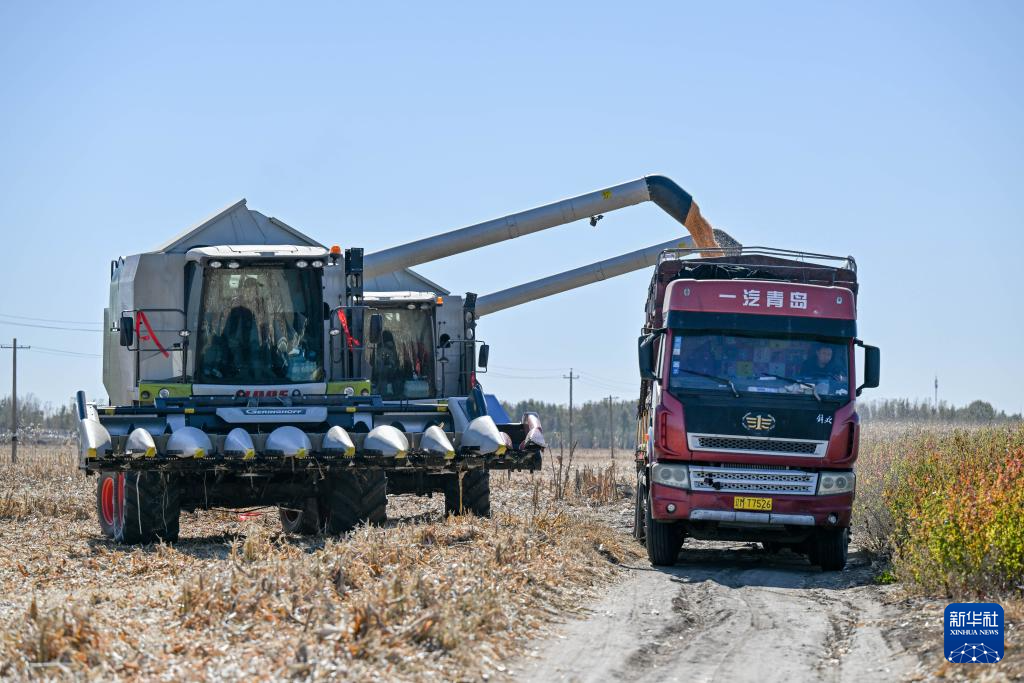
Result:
729,613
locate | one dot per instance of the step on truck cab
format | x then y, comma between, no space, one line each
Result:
748,429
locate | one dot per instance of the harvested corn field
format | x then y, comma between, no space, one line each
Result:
422,598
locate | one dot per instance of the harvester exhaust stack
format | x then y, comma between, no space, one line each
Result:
673,199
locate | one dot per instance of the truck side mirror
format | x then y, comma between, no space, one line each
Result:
646,348
376,328
872,368
127,328
485,353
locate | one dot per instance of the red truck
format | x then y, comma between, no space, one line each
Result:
747,421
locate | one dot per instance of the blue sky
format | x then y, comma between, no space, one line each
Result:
892,133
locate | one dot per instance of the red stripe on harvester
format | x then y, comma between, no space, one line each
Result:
349,339
141,320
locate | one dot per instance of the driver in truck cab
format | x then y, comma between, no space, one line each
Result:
822,363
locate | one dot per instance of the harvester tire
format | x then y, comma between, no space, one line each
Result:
105,502
663,539
475,494
355,497
831,549
307,521
146,507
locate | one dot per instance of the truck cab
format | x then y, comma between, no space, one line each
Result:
748,427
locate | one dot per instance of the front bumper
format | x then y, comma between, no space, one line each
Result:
787,510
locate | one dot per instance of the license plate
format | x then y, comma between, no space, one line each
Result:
748,503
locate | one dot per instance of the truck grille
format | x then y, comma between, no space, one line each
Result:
757,445
743,480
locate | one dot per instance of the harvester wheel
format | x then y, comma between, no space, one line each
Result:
831,548
355,497
475,494
146,507
305,521
105,502
663,539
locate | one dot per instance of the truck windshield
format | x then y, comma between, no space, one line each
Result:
402,365
260,324
766,365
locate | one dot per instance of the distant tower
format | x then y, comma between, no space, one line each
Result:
936,393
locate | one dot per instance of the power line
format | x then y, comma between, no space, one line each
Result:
504,376
50,320
603,378
608,385
63,352
587,378
51,327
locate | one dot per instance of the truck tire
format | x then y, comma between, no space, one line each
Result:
146,508
105,502
306,521
831,549
663,539
475,495
354,497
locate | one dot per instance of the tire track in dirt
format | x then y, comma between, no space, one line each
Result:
728,613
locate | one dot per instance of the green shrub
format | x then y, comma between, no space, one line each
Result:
948,506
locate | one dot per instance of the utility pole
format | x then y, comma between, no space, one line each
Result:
570,377
611,425
936,394
14,396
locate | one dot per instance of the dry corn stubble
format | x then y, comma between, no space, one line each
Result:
238,599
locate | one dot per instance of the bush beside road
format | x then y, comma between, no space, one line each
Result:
945,508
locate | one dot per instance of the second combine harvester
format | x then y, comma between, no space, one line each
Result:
247,365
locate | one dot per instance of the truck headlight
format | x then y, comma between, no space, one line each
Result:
676,476
836,482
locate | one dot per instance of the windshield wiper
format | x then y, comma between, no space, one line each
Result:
723,380
814,389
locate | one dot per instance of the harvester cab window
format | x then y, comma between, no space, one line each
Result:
260,325
402,364
778,365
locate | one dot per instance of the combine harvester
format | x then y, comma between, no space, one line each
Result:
248,365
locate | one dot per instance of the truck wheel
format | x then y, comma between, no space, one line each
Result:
105,502
355,497
305,521
475,495
146,508
663,539
831,549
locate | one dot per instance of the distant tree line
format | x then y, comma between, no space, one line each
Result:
36,417
903,410
591,425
